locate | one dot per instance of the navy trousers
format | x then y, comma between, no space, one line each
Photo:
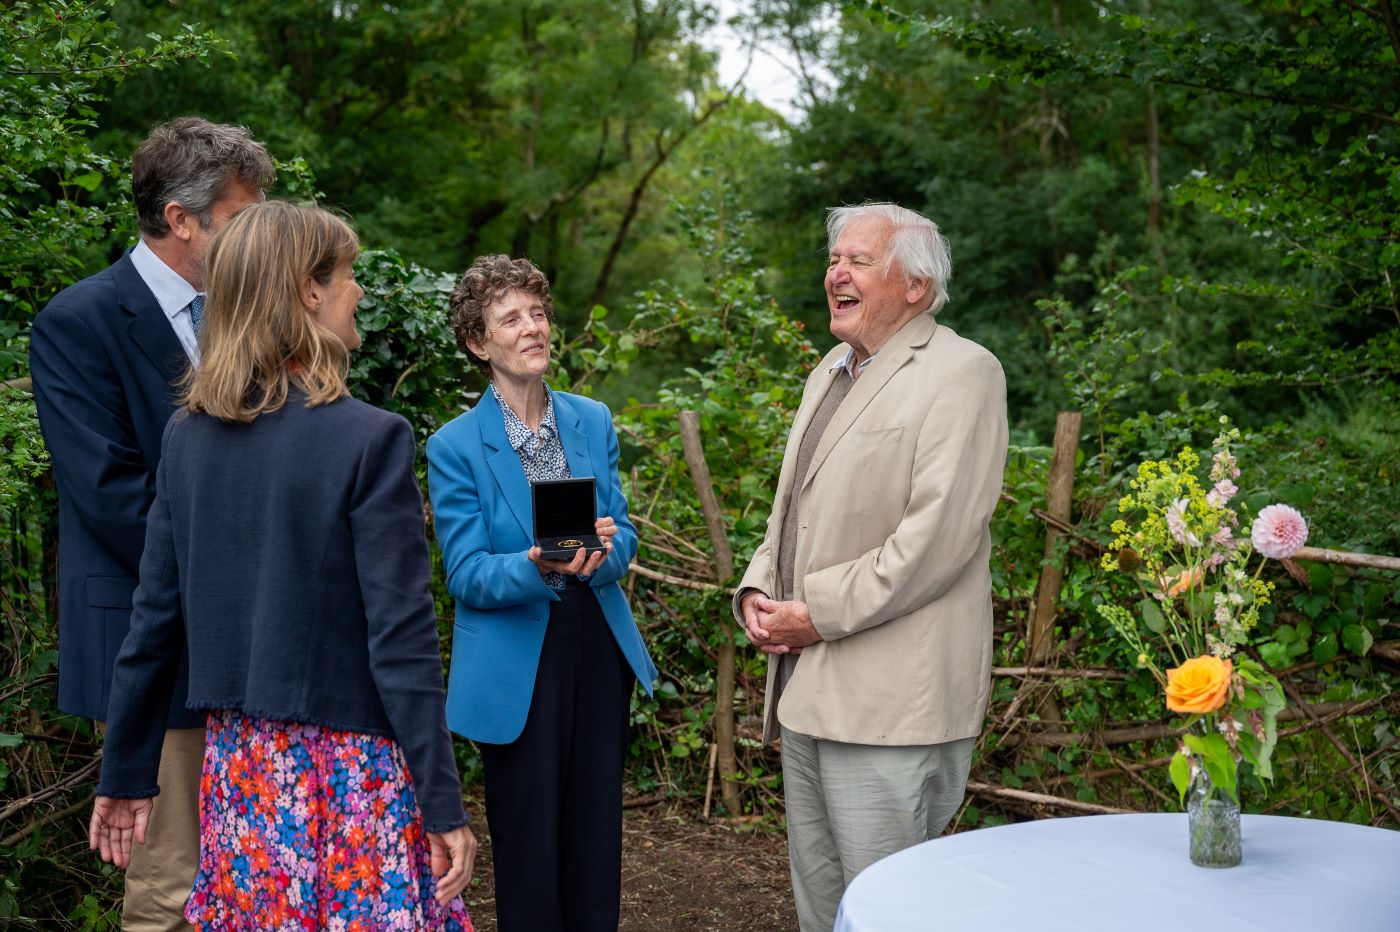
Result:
554,795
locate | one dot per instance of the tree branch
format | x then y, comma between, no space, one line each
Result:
673,580
1392,29
988,791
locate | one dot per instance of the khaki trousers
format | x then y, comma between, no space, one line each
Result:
849,805
161,874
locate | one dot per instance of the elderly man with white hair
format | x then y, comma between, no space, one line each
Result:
871,592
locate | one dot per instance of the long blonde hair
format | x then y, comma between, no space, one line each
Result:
258,340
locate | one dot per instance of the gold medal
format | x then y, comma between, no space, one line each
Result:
570,543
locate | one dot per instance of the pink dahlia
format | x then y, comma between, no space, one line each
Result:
1279,531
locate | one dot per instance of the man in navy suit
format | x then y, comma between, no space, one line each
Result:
105,356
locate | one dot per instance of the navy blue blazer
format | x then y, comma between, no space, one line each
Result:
481,513
290,553
102,356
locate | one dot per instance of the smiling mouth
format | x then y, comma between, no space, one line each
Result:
845,302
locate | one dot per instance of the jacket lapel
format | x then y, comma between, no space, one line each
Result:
898,351
148,326
811,401
505,462
575,443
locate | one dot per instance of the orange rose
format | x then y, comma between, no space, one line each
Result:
1198,685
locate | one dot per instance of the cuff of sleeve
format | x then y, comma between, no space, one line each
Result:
737,604
437,828
821,610
126,794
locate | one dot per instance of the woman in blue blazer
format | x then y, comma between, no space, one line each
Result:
544,653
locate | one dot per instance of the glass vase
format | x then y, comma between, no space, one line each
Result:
1213,818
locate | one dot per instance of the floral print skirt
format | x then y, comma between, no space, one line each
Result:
303,827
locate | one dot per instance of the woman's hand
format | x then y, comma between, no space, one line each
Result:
453,855
115,822
583,563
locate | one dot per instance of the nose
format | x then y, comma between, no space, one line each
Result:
837,275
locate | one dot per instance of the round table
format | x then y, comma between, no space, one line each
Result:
1132,872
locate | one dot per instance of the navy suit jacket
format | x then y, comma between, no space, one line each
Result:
482,516
103,358
290,553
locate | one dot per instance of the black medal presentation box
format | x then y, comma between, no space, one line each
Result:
565,512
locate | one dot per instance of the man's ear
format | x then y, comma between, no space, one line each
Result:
917,291
182,223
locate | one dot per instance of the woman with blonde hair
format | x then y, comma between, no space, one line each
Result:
285,552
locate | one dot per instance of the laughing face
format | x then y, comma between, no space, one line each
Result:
517,338
867,304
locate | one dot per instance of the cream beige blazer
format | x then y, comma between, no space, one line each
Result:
893,545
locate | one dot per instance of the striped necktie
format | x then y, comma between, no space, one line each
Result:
197,313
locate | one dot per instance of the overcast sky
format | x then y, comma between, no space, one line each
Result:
772,77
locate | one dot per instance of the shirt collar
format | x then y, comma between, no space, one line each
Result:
847,362
172,292
518,433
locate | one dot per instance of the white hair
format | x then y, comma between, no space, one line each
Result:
915,243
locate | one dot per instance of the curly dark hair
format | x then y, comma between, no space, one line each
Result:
489,280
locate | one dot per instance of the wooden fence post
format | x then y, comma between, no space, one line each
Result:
1059,495
724,571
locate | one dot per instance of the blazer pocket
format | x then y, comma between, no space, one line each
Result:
109,591
881,435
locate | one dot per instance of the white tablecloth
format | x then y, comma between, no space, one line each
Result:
1133,873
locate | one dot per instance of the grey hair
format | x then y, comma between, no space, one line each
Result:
915,243
192,162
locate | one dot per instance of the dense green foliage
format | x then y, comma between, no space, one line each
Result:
1161,212
448,130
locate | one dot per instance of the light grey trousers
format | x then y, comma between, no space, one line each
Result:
849,805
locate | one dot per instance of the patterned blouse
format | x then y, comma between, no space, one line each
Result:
541,455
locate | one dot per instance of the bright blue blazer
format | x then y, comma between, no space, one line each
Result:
481,515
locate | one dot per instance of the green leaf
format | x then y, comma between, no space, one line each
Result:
1319,575
1325,648
1217,758
1314,604
1180,770
1152,616
10,740
88,181
598,312
1274,654
1357,639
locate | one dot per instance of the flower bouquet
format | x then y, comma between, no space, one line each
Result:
1177,538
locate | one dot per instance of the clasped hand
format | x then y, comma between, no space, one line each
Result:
777,627
583,564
